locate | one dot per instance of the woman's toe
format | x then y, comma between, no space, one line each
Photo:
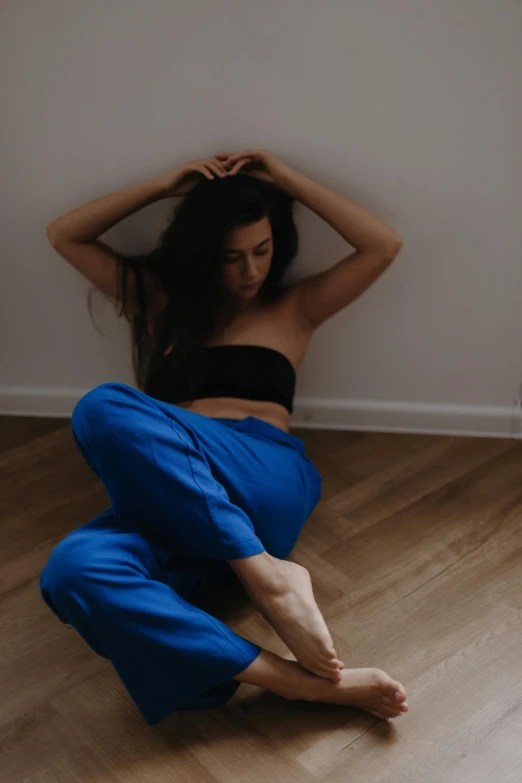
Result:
399,693
329,655
393,690
327,672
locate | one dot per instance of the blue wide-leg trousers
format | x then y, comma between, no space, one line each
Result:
187,494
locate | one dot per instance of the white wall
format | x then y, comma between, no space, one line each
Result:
411,107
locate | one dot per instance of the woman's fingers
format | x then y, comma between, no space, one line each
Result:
227,160
246,154
205,171
221,165
238,165
216,167
210,168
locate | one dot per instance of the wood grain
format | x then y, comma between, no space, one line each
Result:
415,552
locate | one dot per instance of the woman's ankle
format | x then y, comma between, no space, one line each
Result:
284,678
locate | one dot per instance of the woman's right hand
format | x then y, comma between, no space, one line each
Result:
182,179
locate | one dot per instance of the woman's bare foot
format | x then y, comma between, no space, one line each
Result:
368,689
282,591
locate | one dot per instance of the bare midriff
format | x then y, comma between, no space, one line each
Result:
232,408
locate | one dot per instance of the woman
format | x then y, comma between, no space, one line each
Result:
200,468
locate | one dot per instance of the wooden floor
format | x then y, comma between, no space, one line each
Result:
416,556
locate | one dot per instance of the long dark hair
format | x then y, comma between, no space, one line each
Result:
187,265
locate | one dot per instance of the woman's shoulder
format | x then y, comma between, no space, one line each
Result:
286,309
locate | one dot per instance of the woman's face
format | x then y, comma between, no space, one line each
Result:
248,254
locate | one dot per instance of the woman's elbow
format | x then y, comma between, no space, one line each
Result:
392,248
50,232
53,234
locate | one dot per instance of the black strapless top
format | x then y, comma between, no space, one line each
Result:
248,372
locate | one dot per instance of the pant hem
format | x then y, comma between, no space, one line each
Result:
239,549
214,696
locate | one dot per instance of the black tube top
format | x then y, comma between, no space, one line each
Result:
248,372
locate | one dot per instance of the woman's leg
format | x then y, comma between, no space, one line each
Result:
206,491
158,481
368,689
283,593
110,584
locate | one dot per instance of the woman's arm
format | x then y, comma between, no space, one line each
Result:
87,222
376,244
75,234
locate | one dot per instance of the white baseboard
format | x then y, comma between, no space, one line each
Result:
38,401
313,413
427,418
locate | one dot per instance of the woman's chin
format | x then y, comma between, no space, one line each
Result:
246,294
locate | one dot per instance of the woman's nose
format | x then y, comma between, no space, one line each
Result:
249,268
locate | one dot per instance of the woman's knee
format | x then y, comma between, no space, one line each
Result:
92,412
66,571
87,567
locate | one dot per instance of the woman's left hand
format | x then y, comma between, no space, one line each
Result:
257,163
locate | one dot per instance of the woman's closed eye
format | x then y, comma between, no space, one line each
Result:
230,259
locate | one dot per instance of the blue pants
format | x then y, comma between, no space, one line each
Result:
187,493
